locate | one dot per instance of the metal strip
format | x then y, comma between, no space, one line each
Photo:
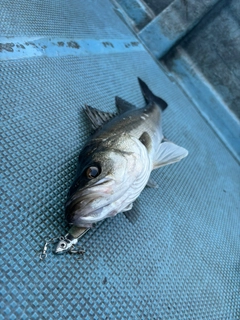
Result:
21,47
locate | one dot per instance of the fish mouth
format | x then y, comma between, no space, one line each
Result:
83,212
81,219
89,204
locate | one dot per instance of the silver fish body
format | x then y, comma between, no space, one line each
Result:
115,164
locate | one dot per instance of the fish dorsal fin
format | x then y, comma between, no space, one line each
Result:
123,105
97,117
150,97
167,153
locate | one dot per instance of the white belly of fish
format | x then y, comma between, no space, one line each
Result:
137,167
143,169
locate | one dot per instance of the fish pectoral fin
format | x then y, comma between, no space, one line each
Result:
97,117
123,105
152,184
128,207
146,140
169,152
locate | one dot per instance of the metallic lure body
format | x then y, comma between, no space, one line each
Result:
68,242
115,164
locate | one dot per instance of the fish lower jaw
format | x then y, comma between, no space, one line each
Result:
94,217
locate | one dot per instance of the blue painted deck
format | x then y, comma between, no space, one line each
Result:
176,256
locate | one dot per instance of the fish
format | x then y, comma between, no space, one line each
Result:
115,164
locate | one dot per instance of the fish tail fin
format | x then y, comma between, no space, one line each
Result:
150,97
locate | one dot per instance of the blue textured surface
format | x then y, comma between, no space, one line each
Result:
176,256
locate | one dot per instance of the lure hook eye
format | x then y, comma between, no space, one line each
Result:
63,244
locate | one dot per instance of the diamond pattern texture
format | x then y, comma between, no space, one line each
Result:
174,256
46,18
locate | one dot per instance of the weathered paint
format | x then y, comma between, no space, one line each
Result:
20,47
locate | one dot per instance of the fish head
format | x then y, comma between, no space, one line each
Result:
104,180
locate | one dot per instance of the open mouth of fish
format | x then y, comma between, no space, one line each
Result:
89,212
90,206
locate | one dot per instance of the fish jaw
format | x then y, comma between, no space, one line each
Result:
89,201
95,216
82,219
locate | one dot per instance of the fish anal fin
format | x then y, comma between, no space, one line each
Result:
167,153
123,105
152,184
128,207
97,117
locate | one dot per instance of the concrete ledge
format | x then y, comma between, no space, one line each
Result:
173,23
137,11
207,100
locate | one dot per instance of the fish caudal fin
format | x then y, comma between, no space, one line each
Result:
150,97
167,153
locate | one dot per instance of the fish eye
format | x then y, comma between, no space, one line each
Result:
92,172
